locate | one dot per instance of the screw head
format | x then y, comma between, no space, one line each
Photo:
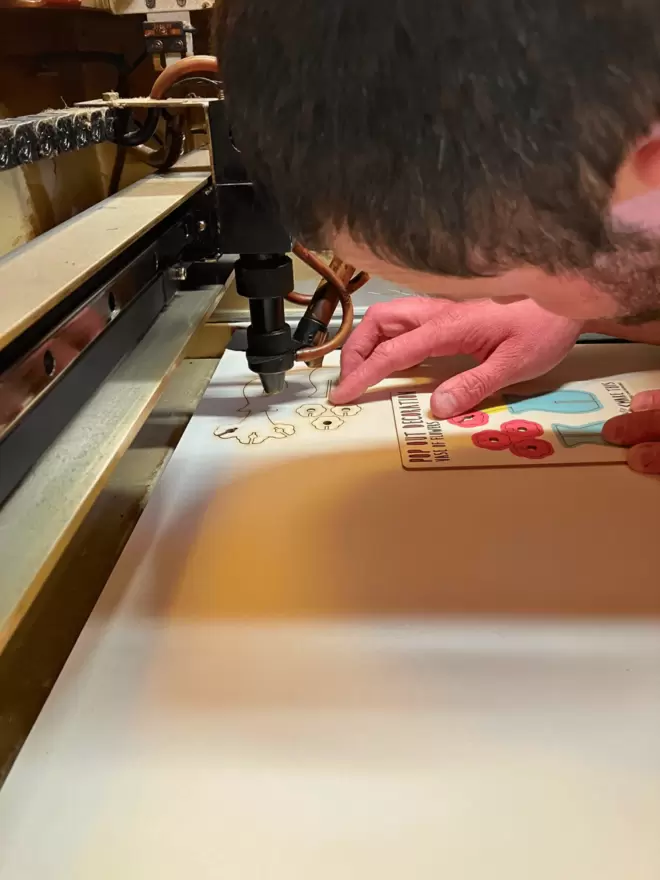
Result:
150,3
178,273
181,2
201,226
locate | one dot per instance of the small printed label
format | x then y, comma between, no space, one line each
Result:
421,439
543,426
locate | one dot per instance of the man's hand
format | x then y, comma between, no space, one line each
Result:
639,429
513,343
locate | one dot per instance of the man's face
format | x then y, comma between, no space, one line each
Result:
571,297
635,204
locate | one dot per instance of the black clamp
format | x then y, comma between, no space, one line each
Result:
166,38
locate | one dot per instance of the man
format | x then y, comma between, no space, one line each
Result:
473,150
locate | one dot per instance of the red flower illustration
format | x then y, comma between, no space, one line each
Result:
494,440
532,448
470,420
520,429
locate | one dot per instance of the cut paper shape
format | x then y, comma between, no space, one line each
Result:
572,436
470,420
534,448
311,410
347,411
327,423
564,400
519,429
491,440
523,446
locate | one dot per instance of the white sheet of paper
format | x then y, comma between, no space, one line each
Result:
537,423
250,423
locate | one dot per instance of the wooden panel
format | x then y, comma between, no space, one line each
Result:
40,274
299,670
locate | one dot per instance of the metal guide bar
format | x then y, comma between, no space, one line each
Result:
37,276
39,519
31,375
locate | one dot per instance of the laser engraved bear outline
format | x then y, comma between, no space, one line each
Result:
256,424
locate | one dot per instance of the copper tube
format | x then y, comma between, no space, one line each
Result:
323,304
316,263
300,299
164,157
192,65
355,283
303,299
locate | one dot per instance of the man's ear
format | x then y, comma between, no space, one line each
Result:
640,171
646,161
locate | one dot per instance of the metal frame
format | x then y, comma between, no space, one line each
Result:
38,395
39,519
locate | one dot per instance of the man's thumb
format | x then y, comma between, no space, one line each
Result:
464,393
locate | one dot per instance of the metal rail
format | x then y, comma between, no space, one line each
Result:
39,519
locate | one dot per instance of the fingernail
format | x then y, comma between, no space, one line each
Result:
335,395
645,400
443,405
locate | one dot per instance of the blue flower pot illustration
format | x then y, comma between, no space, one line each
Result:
566,401
581,435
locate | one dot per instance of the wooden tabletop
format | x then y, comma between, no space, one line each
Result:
321,665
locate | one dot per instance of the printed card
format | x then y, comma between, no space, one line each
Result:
543,426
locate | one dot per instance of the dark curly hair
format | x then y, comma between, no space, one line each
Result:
458,137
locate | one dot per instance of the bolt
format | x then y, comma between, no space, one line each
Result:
179,45
201,226
181,2
150,3
178,273
157,46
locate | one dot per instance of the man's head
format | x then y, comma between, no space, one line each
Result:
478,140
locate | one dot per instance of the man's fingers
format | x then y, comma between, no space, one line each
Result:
633,428
466,391
645,458
389,357
645,400
384,321
362,341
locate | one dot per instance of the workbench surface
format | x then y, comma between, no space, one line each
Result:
302,671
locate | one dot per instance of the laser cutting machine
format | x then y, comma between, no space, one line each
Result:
96,314
83,297
436,715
